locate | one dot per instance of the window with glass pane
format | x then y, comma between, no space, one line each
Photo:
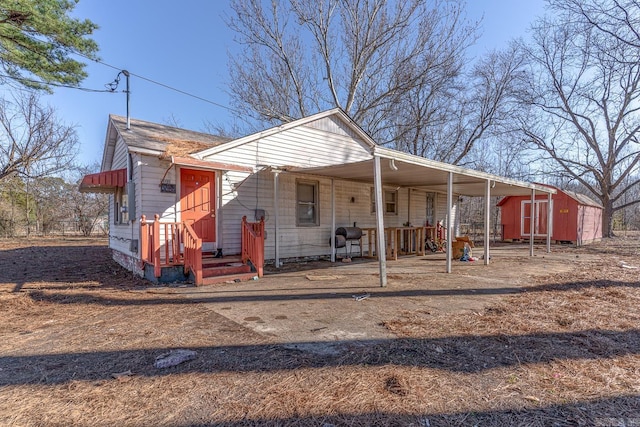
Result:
390,199
391,202
307,203
429,212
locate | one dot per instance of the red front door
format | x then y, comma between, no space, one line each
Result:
197,202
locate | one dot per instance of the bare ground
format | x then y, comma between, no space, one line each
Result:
552,339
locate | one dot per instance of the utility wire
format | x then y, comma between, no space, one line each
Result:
159,84
40,82
121,69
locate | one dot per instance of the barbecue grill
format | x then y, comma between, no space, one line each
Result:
347,237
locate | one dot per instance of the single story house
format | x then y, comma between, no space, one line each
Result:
275,195
575,218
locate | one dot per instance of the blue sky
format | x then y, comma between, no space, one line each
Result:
184,45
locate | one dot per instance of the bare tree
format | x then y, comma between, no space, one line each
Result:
33,141
583,102
619,19
88,209
445,119
399,69
51,200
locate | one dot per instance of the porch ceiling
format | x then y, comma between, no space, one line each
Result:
410,171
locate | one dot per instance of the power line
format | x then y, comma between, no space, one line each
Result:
180,91
40,82
120,69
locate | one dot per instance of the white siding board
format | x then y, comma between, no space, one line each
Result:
120,155
152,171
119,234
441,211
418,215
251,192
332,124
302,147
256,191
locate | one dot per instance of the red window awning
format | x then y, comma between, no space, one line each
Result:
103,182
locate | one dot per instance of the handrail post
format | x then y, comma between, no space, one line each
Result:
261,249
192,253
243,239
156,246
144,239
198,262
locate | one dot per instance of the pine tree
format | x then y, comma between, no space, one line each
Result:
38,39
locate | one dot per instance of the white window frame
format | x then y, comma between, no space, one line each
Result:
538,206
120,201
315,203
385,201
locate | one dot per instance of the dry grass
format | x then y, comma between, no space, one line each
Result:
564,352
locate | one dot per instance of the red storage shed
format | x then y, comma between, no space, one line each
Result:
575,217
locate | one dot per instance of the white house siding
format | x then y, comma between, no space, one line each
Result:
302,147
119,234
152,170
418,214
151,173
334,125
441,211
323,142
256,192
242,193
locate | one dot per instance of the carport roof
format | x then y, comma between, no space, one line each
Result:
406,170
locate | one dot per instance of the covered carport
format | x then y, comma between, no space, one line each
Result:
391,167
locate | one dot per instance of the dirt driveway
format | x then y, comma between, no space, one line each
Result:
318,301
552,339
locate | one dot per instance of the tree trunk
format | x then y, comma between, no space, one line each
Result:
607,217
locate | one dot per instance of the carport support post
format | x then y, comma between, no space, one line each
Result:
382,256
276,246
333,221
549,222
487,217
532,219
449,228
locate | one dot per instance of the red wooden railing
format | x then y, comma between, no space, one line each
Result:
192,253
164,244
253,244
160,243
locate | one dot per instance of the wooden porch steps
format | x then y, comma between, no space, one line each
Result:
226,269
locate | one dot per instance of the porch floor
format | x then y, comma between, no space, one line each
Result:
307,302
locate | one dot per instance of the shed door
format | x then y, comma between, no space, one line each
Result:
197,197
541,221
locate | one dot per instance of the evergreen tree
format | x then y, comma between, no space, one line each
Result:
38,39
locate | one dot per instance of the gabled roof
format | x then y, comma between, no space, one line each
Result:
335,112
578,197
155,138
582,199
